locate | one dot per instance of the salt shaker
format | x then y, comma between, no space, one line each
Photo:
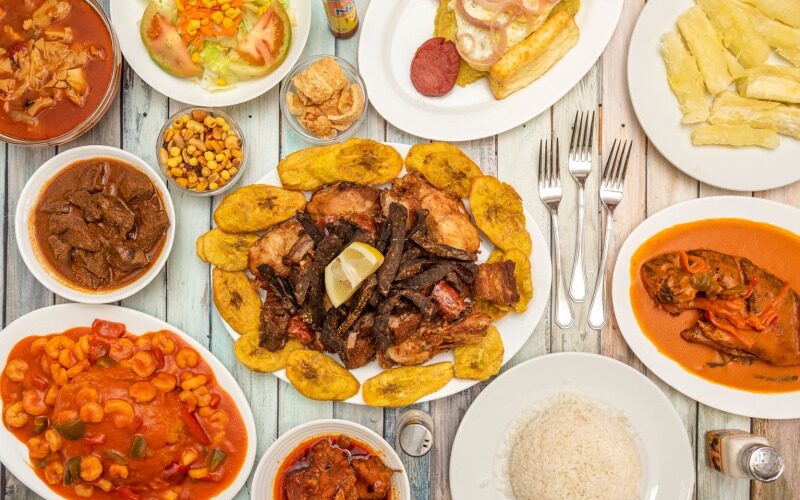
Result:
740,454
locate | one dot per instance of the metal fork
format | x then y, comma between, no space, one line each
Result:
580,166
550,194
611,189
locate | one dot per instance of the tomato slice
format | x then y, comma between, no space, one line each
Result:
268,42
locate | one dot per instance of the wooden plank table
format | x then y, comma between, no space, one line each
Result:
181,293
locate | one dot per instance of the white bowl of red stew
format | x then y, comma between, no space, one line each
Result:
95,224
142,412
316,459
60,69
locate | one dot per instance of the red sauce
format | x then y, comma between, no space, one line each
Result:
769,247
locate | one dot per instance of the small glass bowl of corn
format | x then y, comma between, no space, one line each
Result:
201,151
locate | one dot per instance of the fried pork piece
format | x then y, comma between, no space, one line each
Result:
430,339
346,200
448,221
276,244
496,283
374,478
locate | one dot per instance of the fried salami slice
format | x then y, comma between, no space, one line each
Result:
434,68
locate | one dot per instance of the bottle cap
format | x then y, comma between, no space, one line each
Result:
415,433
763,463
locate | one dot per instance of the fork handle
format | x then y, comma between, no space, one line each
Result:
577,283
597,310
563,312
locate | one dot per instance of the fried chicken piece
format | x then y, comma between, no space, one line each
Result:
448,221
277,242
432,338
346,200
496,283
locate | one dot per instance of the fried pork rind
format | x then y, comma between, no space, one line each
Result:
223,250
317,376
482,360
405,385
321,80
522,275
257,207
445,166
497,210
293,169
260,359
237,300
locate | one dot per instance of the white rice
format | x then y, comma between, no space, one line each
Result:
571,448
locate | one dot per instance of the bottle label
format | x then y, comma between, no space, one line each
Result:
342,15
714,444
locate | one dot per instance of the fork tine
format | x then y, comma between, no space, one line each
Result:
542,166
575,132
591,138
621,178
548,161
558,165
584,134
609,163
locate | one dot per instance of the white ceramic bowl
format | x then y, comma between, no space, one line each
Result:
263,480
27,203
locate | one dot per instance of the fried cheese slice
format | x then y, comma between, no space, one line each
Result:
684,79
706,47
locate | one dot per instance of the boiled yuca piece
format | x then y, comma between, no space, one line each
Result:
734,135
732,109
784,39
532,57
785,11
735,68
706,47
736,30
772,83
684,79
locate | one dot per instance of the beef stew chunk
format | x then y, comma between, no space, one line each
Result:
100,224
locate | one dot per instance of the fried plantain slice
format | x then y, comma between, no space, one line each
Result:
257,207
260,359
317,376
223,250
492,310
405,385
293,170
237,300
445,166
482,360
362,161
522,275
497,209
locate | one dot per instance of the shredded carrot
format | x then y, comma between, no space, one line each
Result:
201,19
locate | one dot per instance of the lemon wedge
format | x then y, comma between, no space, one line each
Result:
349,269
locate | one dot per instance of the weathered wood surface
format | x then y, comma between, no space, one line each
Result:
181,293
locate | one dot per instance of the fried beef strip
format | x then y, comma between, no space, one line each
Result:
311,228
383,337
425,305
429,277
383,236
441,250
328,248
360,302
277,310
409,268
397,218
496,283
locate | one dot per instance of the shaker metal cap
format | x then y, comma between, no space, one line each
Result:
764,463
416,433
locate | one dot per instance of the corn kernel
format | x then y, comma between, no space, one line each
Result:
182,181
196,57
193,162
174,151
191,149
212,164
231,13
202,186
233,171
226,127
217,17
198,473
176,172
209,122
192,177
227,23
237,153
224,6
174,162
219,157
225,175
213,185
221,82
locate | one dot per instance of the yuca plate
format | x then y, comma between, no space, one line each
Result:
662,441
390,36
751,404
54,319
126,16
739,169
515,329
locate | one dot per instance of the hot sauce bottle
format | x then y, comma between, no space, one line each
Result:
741,454
342,17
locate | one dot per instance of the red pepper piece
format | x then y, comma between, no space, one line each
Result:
195,429
158,354
174,473
98,348
215,399
39,381
108,328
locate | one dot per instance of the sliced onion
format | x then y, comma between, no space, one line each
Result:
499,48
480,23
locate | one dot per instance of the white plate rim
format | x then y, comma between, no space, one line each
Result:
656,109
542,276
561,359
187,91
14,453
783,405
274,455
27,202
418,117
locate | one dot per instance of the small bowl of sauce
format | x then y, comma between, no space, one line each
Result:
95,224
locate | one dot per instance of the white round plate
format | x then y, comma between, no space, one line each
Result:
263,480
738,169
126,16
751,404
666,455
515,329
54,319
27,202
392,32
